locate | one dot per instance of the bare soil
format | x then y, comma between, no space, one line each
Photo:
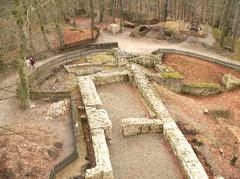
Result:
33,144
196,70
59,80
215,140
143,156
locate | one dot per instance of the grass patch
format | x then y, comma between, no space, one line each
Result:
101,58
205,85
226,114
174,75
227,42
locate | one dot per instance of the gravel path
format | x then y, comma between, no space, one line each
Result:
144,156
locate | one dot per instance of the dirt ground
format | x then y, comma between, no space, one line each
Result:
144,156
33,144
220,136
59,80
214,139
196,70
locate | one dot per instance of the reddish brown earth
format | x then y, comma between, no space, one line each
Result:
215,140
30,144
196,70
81,33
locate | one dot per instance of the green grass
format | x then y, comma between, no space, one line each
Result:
205,85
102,58
227,42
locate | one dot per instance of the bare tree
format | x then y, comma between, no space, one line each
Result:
23,91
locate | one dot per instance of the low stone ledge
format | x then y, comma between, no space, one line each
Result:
201,89
190,163
135,126
89,92
109,77
88,68
103,168
171,80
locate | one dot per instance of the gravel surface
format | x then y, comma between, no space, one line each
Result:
144,156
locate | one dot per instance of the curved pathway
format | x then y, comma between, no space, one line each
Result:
146,45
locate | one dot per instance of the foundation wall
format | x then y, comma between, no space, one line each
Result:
101,129
191,165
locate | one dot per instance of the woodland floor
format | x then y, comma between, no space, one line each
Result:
215,141
35,142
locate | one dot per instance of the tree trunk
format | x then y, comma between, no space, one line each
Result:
165,11
159,13
121,22
101,10
23,90
226,21
42,27
236,25
58,26
92,18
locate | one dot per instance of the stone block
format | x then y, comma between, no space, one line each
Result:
201,89
230,81
98,119
134,126
89,92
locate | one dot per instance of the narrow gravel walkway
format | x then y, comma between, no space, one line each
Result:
138,157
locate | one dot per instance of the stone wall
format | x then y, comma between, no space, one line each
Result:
88,68
103,169
191,165
171,80
201,89
134,126
109,77
44,69
101,129
147,61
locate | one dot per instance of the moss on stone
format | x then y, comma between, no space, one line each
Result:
174,75
205,85
102,58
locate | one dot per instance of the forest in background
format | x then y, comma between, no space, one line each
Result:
43,19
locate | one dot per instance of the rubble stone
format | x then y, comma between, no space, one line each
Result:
230,81
89,92
134,126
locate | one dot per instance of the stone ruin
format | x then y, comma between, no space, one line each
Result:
129,67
